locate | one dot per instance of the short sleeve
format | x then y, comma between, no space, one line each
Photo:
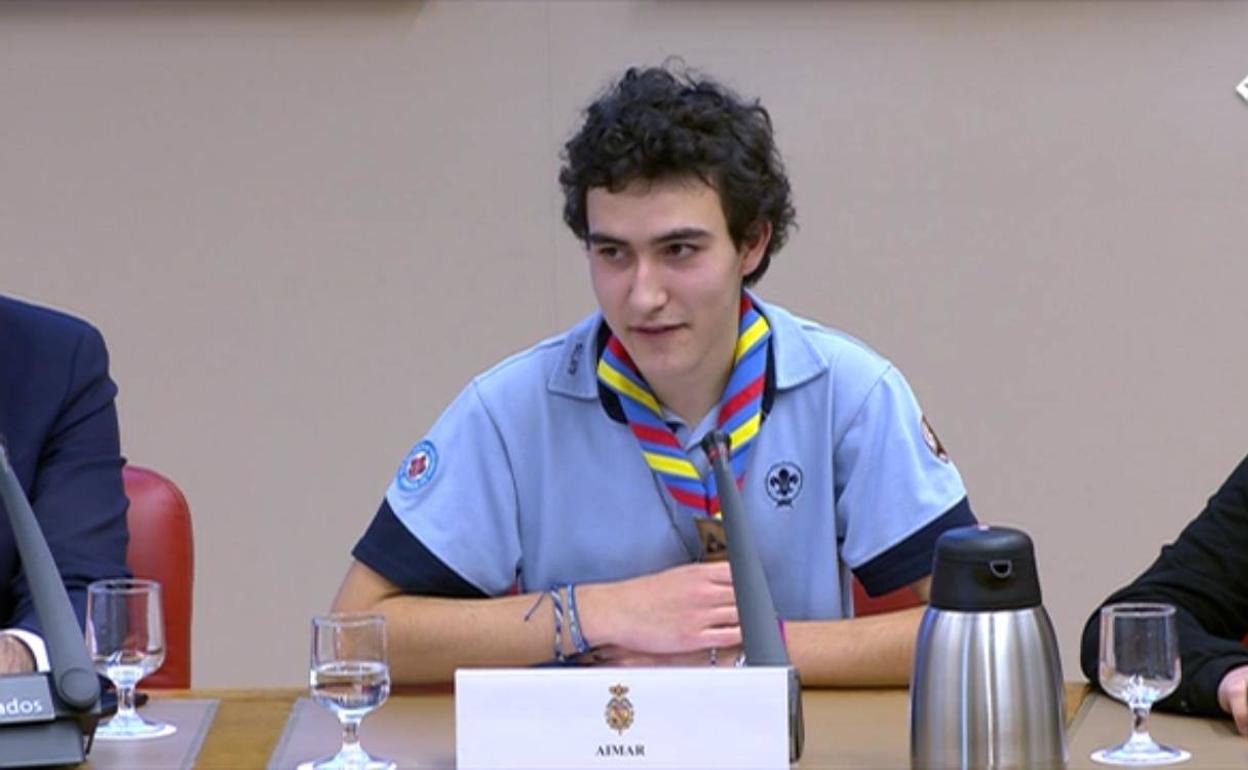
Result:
895,486
454,493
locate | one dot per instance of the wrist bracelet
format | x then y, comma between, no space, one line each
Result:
554,597
574,622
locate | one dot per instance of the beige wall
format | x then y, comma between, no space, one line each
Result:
303,225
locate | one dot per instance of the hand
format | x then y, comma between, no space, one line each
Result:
1233,697
15,656
679,610
612,656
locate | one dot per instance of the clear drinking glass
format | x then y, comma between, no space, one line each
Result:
1139,665
126,639
349,676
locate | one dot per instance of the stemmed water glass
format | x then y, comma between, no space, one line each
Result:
126,640
1139,666
349,676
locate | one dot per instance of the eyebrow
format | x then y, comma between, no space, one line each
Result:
602,239
679,234
683,234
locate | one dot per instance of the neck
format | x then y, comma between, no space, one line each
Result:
689,402
694,395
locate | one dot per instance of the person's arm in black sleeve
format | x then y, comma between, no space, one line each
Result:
1205,575
78,496
394,553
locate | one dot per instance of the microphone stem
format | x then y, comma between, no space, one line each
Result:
760,633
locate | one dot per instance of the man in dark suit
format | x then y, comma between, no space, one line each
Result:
59,423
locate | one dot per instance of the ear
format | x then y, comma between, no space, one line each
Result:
757,236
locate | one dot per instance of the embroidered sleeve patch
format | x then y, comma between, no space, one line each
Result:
933,441
418,467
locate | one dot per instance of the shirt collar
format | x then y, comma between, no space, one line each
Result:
576,370
797,360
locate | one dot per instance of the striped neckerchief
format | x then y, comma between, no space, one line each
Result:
740,412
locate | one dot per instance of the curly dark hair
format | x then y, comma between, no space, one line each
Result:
656,123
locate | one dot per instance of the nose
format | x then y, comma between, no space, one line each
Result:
649,288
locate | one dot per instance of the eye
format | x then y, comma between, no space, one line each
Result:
681,250
608,253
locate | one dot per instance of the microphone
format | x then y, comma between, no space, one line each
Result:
756,612
760,633
42,724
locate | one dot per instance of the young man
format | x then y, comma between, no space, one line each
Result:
1205,575
59,425
573,468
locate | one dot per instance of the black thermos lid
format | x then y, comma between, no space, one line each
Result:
983,569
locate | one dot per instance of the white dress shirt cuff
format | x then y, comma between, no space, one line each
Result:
34,643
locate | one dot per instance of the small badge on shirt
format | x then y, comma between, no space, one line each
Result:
418,467
714,541
784,484
933,442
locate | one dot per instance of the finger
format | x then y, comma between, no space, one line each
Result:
1239,710
716,595
721,637
722,616
714,602
718,572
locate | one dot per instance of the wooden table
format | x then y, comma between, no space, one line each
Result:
249,723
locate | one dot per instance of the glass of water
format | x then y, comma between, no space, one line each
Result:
126,640
349,676
1139,665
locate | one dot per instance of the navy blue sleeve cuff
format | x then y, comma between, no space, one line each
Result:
392,551
911,559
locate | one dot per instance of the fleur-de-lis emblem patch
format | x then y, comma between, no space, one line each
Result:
619,711
784,484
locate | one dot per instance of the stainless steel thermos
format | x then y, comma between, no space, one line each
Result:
987,684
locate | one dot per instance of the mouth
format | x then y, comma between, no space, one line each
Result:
654,331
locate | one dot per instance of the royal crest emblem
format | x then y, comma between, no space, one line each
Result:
784,483
619,711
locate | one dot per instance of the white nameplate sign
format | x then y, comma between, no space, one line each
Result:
677,718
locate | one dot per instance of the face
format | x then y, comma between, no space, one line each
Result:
668,278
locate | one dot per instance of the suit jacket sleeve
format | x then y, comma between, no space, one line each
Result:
1205,575
77,492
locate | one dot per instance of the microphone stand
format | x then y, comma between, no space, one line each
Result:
760,632
46,718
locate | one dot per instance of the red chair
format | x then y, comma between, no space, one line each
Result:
902,598
161,548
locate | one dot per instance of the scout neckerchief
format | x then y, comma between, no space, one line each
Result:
740,412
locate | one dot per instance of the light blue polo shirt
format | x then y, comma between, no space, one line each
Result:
526,478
